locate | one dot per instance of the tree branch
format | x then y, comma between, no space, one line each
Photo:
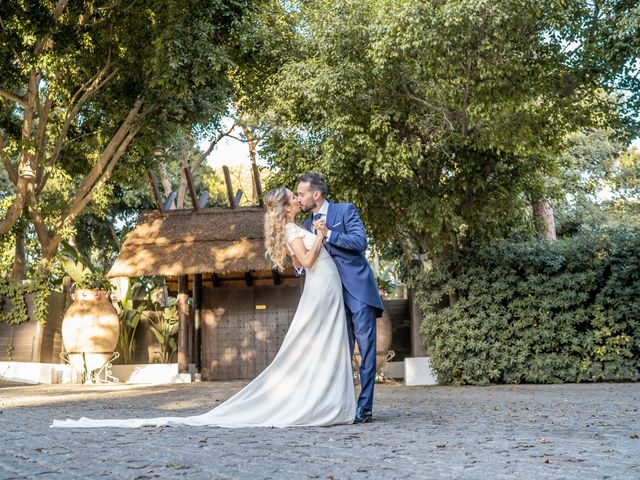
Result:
219,137
14,98
44,235
80,137
113,150
15,54
57,11
79,99
79,205
13,175
426,103
41,133
59,8
15,210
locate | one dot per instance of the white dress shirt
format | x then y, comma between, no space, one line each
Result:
324,210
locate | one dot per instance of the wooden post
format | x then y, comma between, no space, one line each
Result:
227,181
417,345
192,187
197,320
155,189
183,324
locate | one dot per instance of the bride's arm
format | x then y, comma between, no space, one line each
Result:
305,257
296,264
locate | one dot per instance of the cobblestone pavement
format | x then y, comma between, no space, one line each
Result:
504,432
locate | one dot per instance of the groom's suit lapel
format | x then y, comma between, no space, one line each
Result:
331,214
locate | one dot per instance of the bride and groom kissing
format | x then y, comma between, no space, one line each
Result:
310,380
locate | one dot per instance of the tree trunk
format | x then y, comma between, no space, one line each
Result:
49,250
166,183
15,210
252,141
544,219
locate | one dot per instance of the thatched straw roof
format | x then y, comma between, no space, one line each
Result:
183,242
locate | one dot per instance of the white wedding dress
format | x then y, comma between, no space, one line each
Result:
309,382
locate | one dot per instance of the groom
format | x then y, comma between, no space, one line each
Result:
346,241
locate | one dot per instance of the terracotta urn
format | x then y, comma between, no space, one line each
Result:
90,330
383,342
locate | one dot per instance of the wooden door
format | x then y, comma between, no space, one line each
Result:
243,328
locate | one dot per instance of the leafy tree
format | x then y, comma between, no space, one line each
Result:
442,120
596,183
89,87
268,41
624,204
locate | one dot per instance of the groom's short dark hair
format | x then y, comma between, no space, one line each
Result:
316,182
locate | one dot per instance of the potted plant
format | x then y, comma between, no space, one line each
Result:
90,327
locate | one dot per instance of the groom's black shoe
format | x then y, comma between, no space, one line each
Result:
363,415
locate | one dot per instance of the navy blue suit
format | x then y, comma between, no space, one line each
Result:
363,305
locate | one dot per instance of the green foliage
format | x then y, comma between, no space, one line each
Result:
597,184
165,327
387,282
82,270
14,296
85,96
536,312
99,233
439,120
129,316
94,281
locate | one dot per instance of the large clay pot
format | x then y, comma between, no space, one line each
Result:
90,330
383,342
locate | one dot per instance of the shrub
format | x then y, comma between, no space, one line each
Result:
536,312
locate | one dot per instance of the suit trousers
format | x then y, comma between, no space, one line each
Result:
361,328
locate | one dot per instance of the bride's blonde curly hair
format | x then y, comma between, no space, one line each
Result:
274,221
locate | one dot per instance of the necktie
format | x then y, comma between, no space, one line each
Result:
315,217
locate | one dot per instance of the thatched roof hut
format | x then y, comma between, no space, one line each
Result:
217,241
241,308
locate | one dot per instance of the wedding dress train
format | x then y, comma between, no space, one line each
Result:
309,382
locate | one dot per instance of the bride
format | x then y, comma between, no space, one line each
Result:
309,382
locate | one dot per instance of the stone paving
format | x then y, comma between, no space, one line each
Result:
502,432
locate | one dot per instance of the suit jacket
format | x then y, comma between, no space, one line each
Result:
347,245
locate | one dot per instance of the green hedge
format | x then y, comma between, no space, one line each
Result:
536,312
